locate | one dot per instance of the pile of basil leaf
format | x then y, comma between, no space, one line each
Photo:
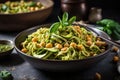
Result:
65,21
111,27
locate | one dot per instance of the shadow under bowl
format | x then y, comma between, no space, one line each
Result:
58,65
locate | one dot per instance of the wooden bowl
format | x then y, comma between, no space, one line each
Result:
21,21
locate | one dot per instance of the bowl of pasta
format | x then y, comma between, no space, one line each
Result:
62,47
17,15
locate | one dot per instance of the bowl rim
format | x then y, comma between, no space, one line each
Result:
52,3
52,60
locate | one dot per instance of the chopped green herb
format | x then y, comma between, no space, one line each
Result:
62,23
111,27
6,75
4,47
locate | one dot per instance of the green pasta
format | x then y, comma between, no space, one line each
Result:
71,43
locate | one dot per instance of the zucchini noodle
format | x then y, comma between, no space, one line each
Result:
71,43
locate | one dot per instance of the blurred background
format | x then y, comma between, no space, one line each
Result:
110,8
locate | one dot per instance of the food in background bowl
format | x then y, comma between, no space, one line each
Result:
12,7
64,48
13,21
4,47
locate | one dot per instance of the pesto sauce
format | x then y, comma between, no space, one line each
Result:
4,47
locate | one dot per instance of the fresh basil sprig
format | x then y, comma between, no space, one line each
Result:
62,22
5,75
111,27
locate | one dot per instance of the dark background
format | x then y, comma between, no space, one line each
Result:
110,8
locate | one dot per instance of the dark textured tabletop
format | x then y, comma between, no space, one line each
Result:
22,70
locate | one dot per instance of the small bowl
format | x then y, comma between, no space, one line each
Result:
9,51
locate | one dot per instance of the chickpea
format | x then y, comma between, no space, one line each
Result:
42,44
79,31
38,3
100,43
46,36
12,5
49,45
74,45
94,54
80,47
36,8
89,39
115,48
66,45
39,46
89,43
64,49
97,76
115,58
98,38
77,27
34,39
103,43
24,50
59,46
91,53
21,1
103,50
32,8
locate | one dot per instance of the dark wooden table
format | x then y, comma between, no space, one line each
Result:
22,70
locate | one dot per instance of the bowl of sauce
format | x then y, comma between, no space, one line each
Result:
6,47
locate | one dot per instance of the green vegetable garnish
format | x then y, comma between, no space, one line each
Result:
62,23
54,27
111,27
6,75
32,4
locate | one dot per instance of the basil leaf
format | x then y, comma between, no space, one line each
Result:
60,20
54,27
109,32
101,28
5,75
65,17
65,24
105,22
32,4
62,23
71,20
51,49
